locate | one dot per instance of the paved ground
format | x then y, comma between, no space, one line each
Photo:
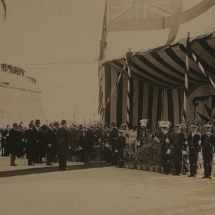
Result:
105,191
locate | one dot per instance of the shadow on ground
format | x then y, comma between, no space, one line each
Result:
38,170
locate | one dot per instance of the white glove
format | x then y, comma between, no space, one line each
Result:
167,140
168,151
186,142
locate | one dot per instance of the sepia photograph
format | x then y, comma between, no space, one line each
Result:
107,107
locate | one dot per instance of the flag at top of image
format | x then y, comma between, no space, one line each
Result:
145,24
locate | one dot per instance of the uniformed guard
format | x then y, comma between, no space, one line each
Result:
207,144
178,142
113,136
165,147
193,140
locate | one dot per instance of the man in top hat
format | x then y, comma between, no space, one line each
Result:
31,138
39,142
207,144
165,147
193,140
63,137
178,142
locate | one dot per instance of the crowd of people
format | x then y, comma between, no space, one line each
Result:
57,142
16,70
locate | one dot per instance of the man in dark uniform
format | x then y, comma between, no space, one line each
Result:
88,146
51,139
63,137
31,138
113,136
178,143
14,138
6,141
121,143
193,140
54,156
38,149
81,143
105,141
142,134
207,144
165,147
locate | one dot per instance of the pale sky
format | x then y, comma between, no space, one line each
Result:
57,42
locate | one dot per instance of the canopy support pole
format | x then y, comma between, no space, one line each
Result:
128,63
186,81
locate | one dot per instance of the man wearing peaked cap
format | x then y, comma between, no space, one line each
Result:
142,132
165,147
178,141
193,140
207,144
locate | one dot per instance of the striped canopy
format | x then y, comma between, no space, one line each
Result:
165,66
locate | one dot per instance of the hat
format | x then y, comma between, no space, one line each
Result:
177,125
164,124
63,122
106,125
194,126
143,122
37,121
56,124
207,126
113,124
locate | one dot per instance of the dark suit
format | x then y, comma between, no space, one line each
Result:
39,151
178,143
113,132
88,146
6,143
165,158
121,143
207,143
31,138
63,137
82,140
14,138
50,143
193,144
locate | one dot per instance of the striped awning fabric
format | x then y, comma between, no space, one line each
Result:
165,66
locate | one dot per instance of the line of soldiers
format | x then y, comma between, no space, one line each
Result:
180,141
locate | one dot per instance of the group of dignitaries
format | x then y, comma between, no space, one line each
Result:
37,143
53,142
